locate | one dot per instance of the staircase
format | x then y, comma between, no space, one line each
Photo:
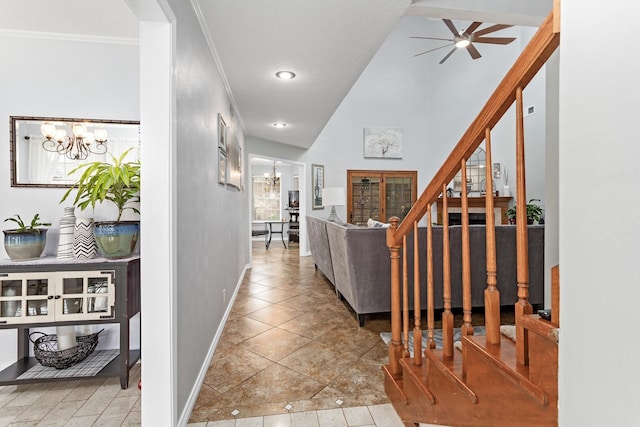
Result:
492,380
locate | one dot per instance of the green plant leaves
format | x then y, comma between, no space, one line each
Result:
118,183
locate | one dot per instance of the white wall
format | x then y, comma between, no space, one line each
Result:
40,77
599,201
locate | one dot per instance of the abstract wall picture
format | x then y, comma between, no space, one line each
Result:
385,143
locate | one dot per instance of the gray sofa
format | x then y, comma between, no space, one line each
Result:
356,261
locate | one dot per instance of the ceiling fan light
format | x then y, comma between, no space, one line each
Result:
279,125
285,75
462,43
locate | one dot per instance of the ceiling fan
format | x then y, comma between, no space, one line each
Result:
465,38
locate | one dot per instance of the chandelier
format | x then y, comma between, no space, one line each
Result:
76,146
274,178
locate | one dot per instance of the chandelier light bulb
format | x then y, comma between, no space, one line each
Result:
48,130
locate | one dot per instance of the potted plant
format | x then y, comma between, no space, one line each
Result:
28,240
119,183
534,212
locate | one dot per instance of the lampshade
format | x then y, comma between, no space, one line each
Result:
333,196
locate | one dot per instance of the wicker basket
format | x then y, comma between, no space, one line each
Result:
45,349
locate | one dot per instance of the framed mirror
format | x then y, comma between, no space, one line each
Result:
44,150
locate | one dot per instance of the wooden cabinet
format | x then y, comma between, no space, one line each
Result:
379,194
49,292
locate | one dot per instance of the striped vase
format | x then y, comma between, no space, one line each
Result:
67,225
84,243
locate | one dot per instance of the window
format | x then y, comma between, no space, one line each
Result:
266,200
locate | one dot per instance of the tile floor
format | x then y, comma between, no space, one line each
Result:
292,354
291,348
94,402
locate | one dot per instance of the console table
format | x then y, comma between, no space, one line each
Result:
476,204
50,292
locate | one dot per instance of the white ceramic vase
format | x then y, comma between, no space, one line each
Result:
506,191
67,226
84,242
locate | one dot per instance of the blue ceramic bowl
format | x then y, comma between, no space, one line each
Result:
24,244
116,239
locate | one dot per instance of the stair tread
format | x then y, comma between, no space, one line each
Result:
453,368
503,357
503,353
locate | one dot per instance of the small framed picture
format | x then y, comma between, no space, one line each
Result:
222,133
496,170
222,167
317,184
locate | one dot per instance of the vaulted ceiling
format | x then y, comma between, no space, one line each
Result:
327,43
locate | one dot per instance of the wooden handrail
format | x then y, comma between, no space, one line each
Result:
533,57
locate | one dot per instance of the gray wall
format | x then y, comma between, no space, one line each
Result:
212,232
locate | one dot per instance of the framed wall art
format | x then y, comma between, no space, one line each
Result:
222,134
234,158
317,184
383,143
222,167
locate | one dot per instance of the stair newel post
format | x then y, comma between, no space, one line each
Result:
395,346
405,298
523,306
491,293
417,327
467,328
447,315
431,343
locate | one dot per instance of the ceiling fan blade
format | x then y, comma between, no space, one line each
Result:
451,27
473,51
448,55
472,27
494,40
430,38
491,29
431,50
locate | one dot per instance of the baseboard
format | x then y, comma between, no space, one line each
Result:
193,396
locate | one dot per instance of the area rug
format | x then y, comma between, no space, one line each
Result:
90,366
437,337
506,330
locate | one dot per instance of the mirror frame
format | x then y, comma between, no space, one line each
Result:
13,144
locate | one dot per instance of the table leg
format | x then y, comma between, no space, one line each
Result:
269,241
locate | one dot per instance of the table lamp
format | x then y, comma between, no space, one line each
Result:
333,196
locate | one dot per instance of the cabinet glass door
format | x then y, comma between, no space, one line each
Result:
379,194
25,298
365,199
85,295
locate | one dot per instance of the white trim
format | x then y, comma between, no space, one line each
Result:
214,53
158,225
195,391
69,37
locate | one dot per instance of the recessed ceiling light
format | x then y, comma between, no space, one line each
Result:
285,75
279,125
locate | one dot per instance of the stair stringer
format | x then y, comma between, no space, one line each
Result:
501,401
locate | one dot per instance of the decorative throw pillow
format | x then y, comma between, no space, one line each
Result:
372,223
